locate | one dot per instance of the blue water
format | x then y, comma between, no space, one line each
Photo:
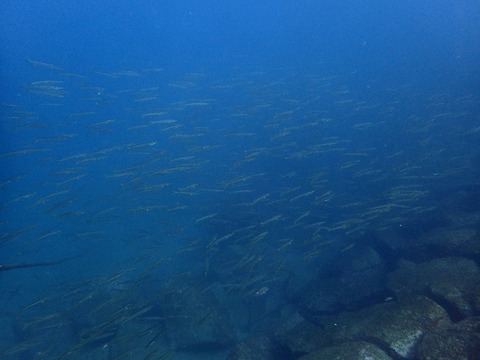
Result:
223,144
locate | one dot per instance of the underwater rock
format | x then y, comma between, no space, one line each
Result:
289,318
355,350
360,283
453,282
362,280
297,281
263,311
460,341
195,319
395,327
439,242
460,241
304,338
255,348
320,299
466,217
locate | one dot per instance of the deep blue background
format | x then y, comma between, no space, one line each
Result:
430,39
311,112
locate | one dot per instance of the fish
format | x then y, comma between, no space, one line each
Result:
262,291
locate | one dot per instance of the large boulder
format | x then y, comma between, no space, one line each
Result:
460,240
256,348
453,282
355,350
289,318
460,342
358,284
396,326
304,338
195,319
